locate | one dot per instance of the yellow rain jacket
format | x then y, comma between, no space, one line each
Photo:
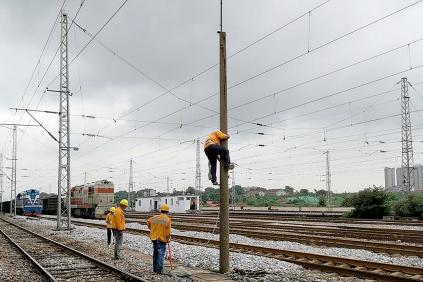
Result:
214,138
109,217
118,220
159,226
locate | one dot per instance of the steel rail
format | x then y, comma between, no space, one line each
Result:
38,266
321,216
352,232
343,266
110,268
379,247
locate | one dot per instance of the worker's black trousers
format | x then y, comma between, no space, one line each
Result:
109,236
212,152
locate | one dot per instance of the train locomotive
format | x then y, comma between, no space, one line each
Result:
88,201
29,202
93,199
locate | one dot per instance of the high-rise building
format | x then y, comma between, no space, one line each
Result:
389,177
400,177
416,178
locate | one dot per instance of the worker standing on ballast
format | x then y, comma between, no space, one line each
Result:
109,215
118,226
159,226
213,150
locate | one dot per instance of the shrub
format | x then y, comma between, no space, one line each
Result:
322,202
410,206
370,203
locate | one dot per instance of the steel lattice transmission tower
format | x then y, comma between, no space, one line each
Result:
63,195
406,140
131,182
198,168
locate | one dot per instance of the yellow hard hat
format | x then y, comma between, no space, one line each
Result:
164,207
124,202
112,209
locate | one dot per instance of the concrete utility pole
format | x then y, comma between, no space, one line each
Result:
233,189
224,193
406,140
64,185
198,168
328,184
131,182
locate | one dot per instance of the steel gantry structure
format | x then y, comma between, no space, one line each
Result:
63,179
63,191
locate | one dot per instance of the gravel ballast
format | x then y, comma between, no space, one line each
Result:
293,246
244,267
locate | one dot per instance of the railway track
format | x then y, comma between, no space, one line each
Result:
280,216
58,262
378,247
13,261
309,239
342,266
388,234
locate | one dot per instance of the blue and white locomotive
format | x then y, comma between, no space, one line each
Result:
28,202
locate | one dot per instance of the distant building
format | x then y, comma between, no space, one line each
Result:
256,192
418,178
394,178
177,204
275,192
389,177
146,193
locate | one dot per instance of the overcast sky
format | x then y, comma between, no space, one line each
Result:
123,79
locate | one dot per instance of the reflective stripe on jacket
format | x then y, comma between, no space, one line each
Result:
118,220
214,138
159,227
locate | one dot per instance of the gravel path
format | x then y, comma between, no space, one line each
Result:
244,267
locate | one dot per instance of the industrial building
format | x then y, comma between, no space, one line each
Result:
177,204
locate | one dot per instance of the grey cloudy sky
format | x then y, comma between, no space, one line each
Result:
277,82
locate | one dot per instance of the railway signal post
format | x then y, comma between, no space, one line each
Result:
224,191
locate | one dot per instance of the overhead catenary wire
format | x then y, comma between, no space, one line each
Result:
290,60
